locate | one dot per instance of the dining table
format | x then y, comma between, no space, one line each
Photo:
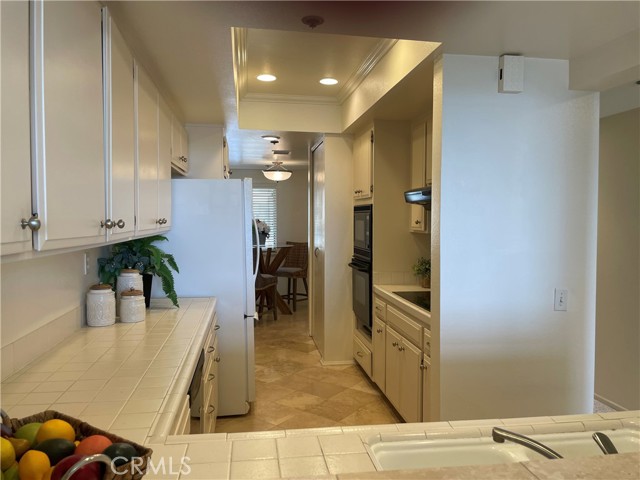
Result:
269,264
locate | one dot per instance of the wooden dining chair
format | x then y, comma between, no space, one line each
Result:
266,286
295,267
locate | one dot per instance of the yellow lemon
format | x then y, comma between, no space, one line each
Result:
8,454
56,428
33,465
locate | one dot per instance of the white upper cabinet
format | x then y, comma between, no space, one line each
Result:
120,133
147,154
179,146
420,173
363,165
68,129
15,166
164,164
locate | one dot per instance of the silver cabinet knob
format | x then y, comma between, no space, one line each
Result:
120,223
217,359
33,223
108,224
161,221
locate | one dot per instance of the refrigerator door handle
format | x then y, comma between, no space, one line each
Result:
255,267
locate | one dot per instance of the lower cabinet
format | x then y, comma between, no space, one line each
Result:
182,423
403,376
210,391
426,388
378,361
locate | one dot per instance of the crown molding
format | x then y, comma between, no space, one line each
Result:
297,99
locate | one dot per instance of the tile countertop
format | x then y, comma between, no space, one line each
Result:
128,378
386,293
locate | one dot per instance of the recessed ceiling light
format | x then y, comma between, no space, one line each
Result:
265,77
271,137
328,81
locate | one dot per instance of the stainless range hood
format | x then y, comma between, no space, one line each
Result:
419,196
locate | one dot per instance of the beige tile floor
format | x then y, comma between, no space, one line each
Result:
293,389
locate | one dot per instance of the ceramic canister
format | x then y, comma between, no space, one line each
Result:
132,307
129,278
101,306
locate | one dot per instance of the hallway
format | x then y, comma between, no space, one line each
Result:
293,389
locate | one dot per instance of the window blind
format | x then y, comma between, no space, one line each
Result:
265,209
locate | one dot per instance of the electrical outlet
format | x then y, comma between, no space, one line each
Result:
86,264
560,299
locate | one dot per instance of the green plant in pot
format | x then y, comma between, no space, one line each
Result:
142,255
422,269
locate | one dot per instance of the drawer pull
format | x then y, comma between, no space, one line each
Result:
217,359
211,376
211,349
217,327
360,354
211,409
401,349
378,330
394,344
423,367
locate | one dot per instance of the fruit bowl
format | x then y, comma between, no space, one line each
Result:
132,470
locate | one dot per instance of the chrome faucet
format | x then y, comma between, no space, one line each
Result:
500,435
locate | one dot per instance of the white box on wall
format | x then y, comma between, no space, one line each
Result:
511,74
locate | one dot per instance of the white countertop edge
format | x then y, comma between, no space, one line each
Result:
386,292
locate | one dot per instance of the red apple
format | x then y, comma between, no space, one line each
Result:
92,471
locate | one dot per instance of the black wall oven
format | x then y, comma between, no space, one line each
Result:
361,265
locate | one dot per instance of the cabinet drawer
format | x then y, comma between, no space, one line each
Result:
380,309
362,355
409,328
426,343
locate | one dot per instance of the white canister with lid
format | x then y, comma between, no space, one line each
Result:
101,306
128,279
132,307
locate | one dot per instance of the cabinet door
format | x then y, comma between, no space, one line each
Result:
15,167
426,389
164,165
378,343
68,124
147,217
410,382
418,165
393,367
362,165
120,121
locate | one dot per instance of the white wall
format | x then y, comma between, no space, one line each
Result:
43,302
292,202
617,379
205,151
517,218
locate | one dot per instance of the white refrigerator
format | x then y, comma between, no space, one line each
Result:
211,240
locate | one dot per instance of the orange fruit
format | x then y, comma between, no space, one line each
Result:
47,475
56,428
33,465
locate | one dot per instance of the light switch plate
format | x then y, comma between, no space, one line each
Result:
560,299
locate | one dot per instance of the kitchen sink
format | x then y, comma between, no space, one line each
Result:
413,454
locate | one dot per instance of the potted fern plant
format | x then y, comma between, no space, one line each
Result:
149,259
422,270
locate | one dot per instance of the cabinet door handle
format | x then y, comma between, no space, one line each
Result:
217,359
360,354
394,344
211,377
379,330
211,349
217,327
401,349
423,366
159,221
33,223
108,224
211,409
417,222
120,223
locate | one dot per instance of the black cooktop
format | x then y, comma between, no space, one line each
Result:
421,299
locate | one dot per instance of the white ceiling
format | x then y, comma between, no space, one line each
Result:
187,46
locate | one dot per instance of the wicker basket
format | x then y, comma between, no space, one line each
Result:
83,429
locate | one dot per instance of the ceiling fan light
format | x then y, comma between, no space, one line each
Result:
328,81
266,77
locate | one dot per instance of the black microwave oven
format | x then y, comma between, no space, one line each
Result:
362,231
